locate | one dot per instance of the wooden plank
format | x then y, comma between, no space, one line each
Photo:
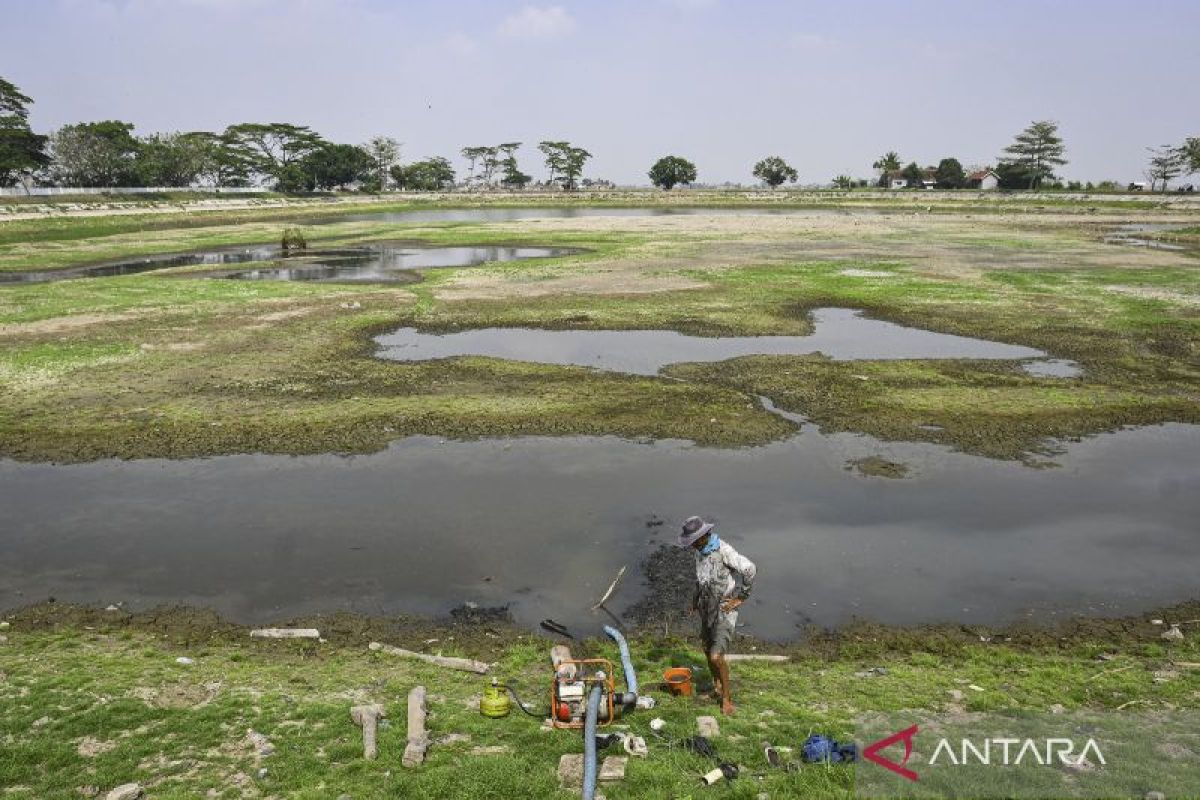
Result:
770,659
464,664
286,633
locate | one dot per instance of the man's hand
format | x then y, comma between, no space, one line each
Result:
731,604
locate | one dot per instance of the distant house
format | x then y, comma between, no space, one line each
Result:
896,179
984,179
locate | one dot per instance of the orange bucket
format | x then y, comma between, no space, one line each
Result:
679,681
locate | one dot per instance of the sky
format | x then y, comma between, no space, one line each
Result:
829,86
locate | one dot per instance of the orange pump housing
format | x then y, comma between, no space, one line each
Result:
586,674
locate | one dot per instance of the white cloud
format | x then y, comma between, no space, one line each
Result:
809,41
534,22
460,44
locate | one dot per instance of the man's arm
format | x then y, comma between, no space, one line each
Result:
743,567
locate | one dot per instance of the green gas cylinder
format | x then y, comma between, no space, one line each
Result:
494,702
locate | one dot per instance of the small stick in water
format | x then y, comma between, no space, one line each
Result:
611,586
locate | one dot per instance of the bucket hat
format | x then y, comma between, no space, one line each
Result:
693,529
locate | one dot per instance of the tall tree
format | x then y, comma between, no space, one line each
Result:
670,171
1036,151
489,160
272,147
553,151
773,171
887,163
950,174
337,166
223,162
1189,154
21,150
95,154
912,174
472,155
171,159
384,151
564,161
431,175
512,177
1166,163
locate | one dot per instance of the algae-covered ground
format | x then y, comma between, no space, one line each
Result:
91,699
176,364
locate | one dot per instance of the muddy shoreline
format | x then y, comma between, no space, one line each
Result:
659,616
491,636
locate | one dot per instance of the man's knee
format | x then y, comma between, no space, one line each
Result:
716,656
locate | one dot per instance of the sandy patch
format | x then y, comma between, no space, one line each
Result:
290,313
1150,293
867,273
90,748
940,247
55,325
179,695
613,280
172,347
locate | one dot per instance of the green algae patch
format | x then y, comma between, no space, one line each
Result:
974,406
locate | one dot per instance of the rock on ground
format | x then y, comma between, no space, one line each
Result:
261,744
613,769
708,727
570,770
491,750
126,791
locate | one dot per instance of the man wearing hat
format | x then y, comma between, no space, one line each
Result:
717,596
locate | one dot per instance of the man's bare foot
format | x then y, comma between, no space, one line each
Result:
727,708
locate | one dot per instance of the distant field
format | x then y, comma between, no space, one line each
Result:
287,367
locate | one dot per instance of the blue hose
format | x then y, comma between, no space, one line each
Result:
631,684
589,744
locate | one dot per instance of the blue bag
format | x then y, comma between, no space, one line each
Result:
819,748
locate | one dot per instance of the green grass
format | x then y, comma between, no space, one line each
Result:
287,367
181,730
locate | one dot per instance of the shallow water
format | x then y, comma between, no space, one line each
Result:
545,523
134,266
1053,368
1129,235
392,264
839,333
373,263
386,264
495,214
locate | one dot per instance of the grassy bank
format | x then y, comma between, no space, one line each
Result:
172,364
90,699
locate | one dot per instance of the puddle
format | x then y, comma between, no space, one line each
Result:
134,266
1128,235
392,264
545,523
367,264
1053,368
839,333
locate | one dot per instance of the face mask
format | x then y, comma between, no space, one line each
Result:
714,542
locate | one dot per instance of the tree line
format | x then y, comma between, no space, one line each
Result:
294,158
1030,163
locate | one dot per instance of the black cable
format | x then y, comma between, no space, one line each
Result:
521,705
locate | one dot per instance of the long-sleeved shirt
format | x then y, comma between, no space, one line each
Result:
714,576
